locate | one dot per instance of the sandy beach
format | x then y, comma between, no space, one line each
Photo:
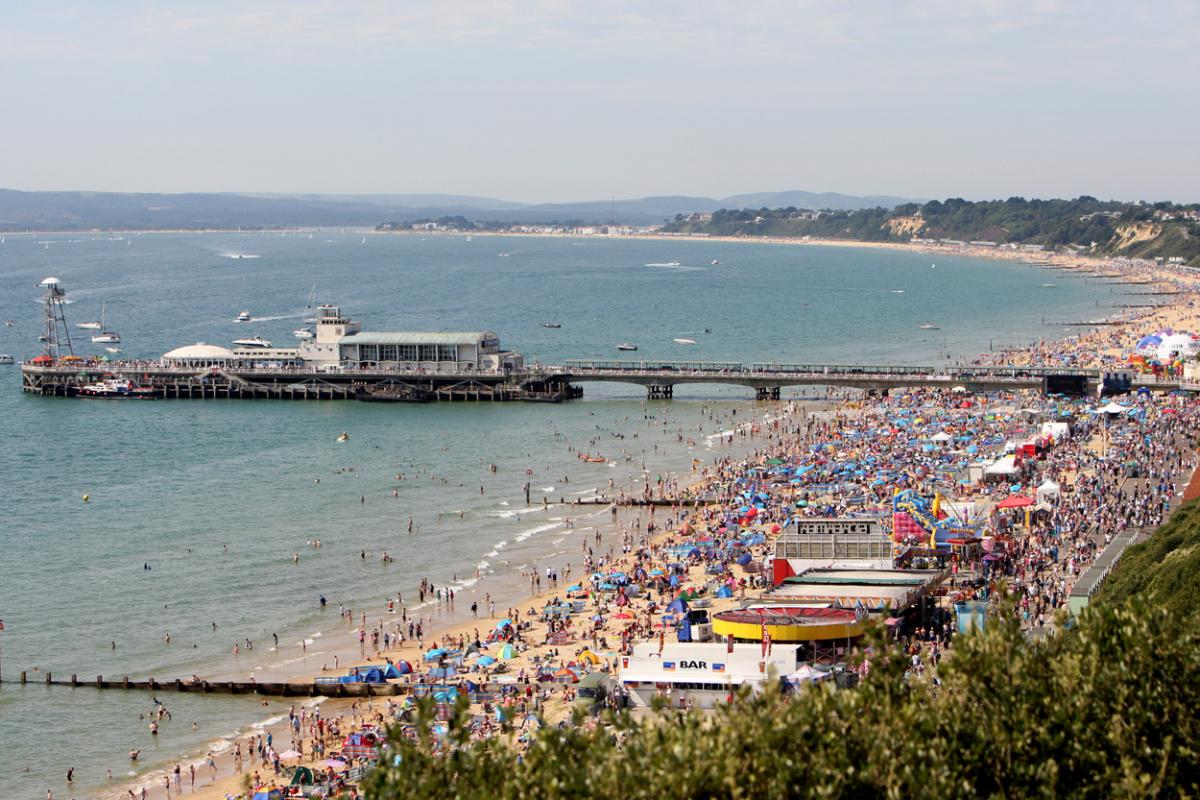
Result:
616,535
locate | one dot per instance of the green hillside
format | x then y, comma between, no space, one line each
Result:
1084,223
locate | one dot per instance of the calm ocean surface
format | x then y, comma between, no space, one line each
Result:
173,483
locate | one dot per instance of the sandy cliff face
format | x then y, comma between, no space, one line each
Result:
905,226
1135,233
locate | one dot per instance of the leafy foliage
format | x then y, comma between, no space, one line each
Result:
1106,710
1163,570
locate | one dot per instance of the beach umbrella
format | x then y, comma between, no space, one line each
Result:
290,755
337,765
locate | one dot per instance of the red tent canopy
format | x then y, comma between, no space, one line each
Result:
1015,501
42,359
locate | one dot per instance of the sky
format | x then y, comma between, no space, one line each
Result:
560,100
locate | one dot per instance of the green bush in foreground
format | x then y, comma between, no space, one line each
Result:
1106,710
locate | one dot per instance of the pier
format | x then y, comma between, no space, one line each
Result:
546,383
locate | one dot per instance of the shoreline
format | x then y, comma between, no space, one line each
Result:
442,625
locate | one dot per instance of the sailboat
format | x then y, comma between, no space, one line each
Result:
93,326
310,305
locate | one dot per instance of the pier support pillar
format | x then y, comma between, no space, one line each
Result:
660,391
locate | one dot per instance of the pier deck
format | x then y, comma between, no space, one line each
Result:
553,383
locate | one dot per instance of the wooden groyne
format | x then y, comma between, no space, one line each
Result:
265,688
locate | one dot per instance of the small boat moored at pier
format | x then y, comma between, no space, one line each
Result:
115,387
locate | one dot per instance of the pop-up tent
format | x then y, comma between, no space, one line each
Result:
1049,490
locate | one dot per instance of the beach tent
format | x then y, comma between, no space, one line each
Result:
485,661
724,591
303,776
403,667
1112,408
507,652
434,654
390,671
678,605
1005,466
590,657
1049,490
744,559
372,675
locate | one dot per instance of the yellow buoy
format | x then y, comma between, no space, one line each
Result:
87,497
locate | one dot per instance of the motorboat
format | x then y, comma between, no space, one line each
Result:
107,337
5,358
303,334
253,341
343,437
715,262
243,316
684,341
115,387
928,326
113,349
627,347
551,324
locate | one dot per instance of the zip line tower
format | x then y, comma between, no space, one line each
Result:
56,336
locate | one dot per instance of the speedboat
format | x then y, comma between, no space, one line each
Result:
626,346
113,349
928,326
304,334
5,358
107,337
715,262
551,324
684,341
243,316
252,341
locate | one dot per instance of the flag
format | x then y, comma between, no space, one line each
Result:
766,636
662,640
729,643
718,667
669,666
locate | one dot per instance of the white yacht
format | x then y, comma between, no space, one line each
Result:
243,316
98,325
253,341
107,337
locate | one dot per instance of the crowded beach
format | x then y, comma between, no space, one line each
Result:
975,496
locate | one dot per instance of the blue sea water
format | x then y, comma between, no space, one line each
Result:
217,496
